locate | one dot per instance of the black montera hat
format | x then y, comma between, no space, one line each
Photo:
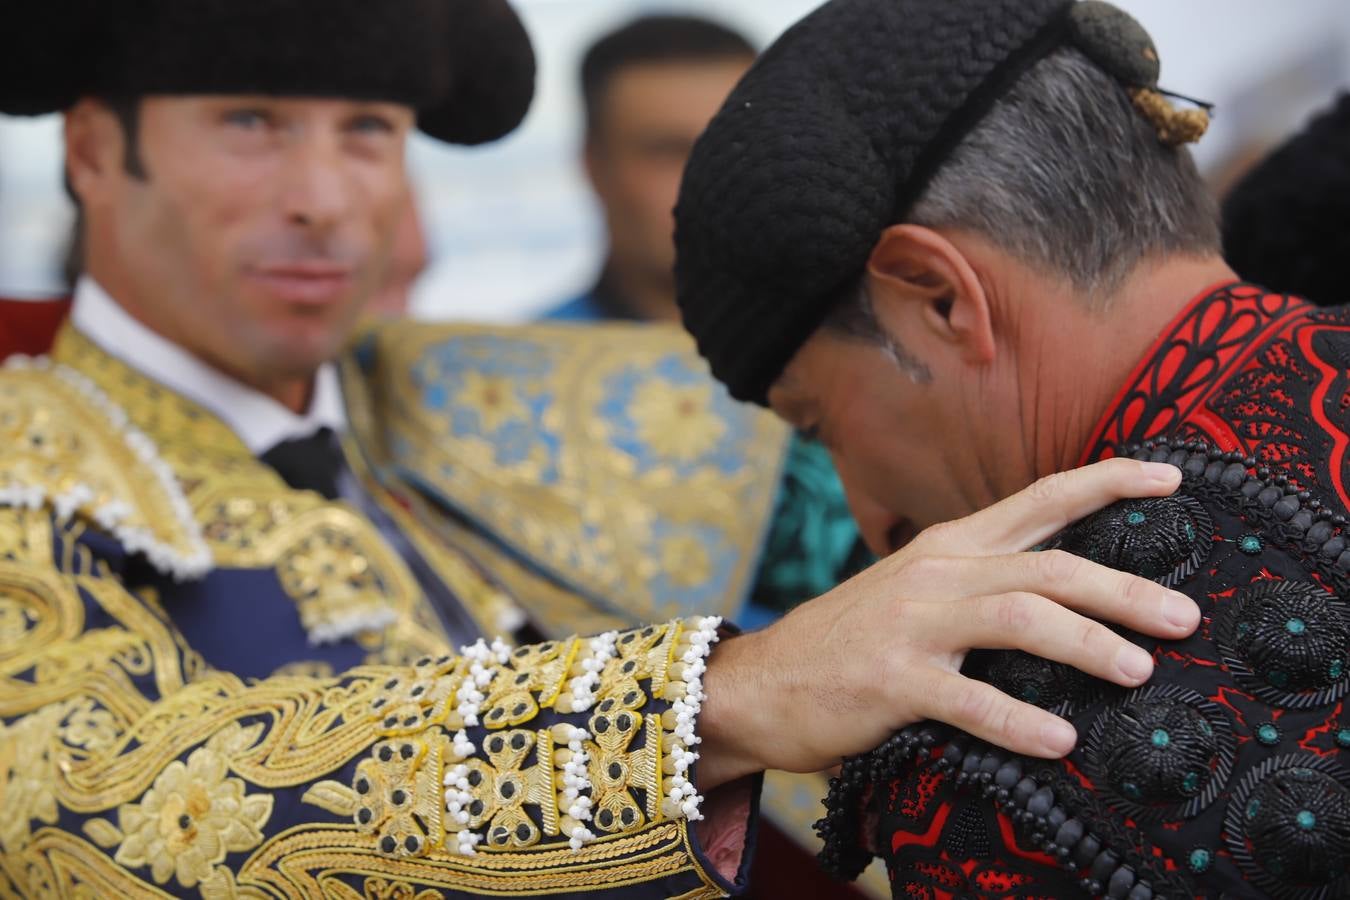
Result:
833,135
466,66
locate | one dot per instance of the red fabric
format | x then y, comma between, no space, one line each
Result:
29,326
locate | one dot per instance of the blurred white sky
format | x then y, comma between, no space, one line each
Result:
512,228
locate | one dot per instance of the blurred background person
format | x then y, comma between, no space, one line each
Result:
649,87
1286,225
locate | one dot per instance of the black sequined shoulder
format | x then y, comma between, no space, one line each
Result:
1227,776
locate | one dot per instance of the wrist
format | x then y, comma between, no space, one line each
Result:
728,725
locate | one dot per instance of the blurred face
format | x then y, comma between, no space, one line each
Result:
260,229
649,119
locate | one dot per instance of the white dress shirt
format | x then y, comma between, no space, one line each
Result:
259,421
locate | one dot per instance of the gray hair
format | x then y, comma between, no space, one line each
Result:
1064,174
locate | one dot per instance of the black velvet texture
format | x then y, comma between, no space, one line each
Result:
828,140
465,65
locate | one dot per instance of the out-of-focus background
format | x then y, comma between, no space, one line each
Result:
512,229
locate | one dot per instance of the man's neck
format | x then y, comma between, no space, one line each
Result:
1086,356
641,295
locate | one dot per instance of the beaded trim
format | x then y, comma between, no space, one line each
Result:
471,689
577,787
600,652
189,566
691,654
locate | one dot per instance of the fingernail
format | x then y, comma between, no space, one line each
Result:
1134,663
1164,473
1058,737
1180,610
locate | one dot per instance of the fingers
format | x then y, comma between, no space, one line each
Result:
1080,584
1047,507
1029,622
991,715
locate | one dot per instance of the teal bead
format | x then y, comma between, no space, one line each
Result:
1295,626
1253,808
1190,532
1306,820
1337,668
1268,734
1031,695
1277,678
1161,738
1136,518
1343,738
1191,782
1200,860
1131,790
1250,544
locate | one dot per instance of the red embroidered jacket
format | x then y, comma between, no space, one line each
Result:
1228,775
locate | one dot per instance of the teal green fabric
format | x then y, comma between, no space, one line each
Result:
813,543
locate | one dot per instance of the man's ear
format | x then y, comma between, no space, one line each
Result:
920,268
95,151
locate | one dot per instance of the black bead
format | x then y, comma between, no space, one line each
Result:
1140,891
1104,866
1120,883
1069,834
1334,547
1284,510
1214,471
1041,802
1023,791
1343,561
388,844
1233,476
1008,774
1178,458
1086,851
1302,521
1320,533
1268,497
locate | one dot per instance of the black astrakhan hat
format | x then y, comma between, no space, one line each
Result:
466,66
832,136
1286,225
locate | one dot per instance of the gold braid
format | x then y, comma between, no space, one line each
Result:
1174,126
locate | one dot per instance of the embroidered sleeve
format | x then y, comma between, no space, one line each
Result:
127,767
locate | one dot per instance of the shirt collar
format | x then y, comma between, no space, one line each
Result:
1197,351
259,421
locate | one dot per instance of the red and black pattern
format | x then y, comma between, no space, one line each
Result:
1229,774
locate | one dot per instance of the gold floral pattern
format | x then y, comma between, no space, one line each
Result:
494,398
192,817
677,421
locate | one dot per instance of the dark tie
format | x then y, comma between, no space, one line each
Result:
314,463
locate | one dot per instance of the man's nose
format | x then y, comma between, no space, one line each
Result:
317,190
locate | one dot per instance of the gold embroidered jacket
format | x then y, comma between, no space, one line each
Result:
136,760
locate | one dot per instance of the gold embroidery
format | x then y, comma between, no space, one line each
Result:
342,575
615,771
190,819
502,786
380,889
399,795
